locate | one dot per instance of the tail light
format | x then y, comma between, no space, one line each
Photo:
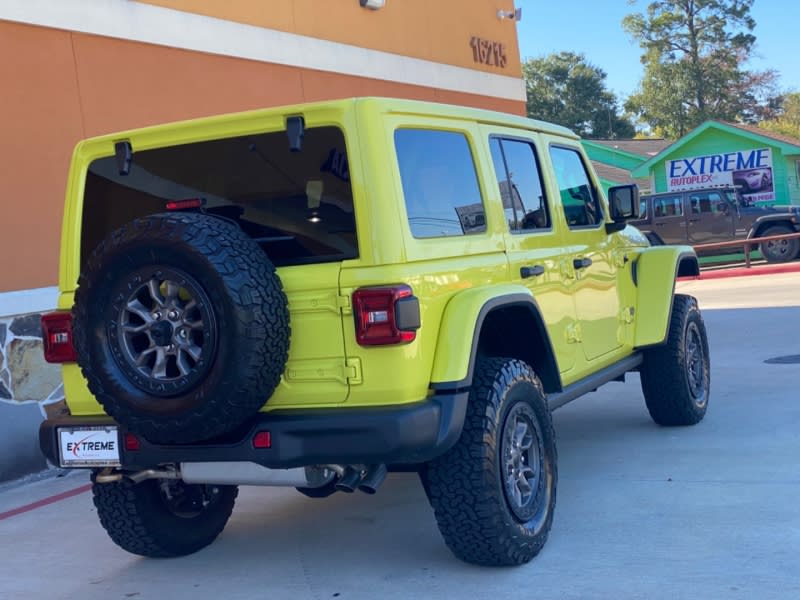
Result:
185,204
386,315
132,443
262,440
57,337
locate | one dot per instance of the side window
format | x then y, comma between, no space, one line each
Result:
521,190
643,208
440,184
578,196
668,206
706,203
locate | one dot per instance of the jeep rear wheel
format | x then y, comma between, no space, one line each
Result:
676,377
163,518
494,492
181,327
780,251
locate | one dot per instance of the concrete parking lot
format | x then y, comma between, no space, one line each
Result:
711,511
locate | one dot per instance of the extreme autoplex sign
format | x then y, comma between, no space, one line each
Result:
719,169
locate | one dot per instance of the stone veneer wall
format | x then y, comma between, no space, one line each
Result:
28,385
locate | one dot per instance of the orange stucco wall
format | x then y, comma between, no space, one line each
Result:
69,85
438,30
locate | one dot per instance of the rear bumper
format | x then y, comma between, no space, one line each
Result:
412,433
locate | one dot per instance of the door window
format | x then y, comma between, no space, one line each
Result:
518,175
707,203
578,195
668,206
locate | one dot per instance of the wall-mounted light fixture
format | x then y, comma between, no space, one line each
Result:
372,4
513,15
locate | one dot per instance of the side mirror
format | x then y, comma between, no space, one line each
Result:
623,200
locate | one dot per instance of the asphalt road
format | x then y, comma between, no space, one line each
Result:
705,512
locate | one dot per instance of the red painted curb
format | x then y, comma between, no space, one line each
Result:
49,500
745,272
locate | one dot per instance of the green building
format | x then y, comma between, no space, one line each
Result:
764,165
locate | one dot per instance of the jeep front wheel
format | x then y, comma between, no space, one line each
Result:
181,327
676,377
780,251
494,492
163,518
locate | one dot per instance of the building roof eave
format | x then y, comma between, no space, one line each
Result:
643,170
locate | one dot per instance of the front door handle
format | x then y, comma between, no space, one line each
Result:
534,271
581,263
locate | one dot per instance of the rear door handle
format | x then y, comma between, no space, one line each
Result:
581,263
534,271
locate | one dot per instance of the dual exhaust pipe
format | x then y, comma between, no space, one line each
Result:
367,479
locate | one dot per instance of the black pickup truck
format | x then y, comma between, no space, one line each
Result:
720,214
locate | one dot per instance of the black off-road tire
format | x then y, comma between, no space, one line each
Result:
238,326
141,519
779,251
676,377
470,486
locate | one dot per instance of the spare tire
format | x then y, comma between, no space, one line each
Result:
181,327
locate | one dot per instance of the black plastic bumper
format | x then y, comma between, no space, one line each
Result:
398,434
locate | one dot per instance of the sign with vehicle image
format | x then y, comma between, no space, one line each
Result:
749,170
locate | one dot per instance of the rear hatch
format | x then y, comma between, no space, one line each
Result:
296,203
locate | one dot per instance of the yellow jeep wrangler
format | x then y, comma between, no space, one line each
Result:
308,296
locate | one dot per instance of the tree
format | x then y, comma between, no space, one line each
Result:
787,121
565,89
694,52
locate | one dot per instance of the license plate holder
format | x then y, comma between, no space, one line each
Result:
89,446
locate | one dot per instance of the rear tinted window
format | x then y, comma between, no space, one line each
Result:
297,205
440,184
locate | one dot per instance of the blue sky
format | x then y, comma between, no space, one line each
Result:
549,26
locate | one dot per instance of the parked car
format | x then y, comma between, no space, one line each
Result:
719,214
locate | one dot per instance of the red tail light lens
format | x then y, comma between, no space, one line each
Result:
262,440
132,443
184,204
57,337
386,315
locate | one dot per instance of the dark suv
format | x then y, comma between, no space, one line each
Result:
720,214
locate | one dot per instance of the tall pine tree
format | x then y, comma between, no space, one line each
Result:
694,55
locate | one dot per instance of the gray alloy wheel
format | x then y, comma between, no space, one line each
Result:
167,332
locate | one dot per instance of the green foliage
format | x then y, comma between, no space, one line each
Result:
787,122
564,88
694,51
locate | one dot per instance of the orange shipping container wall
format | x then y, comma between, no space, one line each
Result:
80,69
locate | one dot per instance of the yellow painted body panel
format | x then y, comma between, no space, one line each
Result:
454,346
656,271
